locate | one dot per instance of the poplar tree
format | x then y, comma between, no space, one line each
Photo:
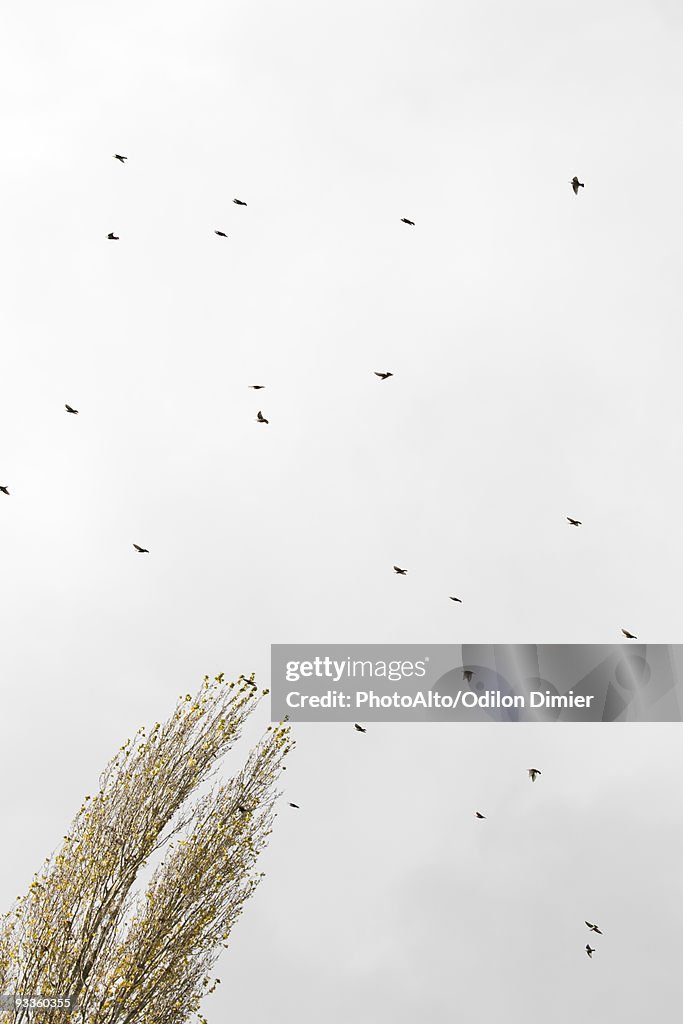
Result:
84,929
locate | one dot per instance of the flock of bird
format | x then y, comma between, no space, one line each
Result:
533,774
383,375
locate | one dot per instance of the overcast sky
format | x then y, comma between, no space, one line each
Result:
534,338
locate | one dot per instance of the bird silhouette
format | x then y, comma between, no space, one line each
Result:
260,418
589,951
295,805
239,202
113,237
533,772
406,221
257,387
359,728
4,489
594,927
221,234
69,409
467,675
455,599
142,551
383,375
574,522
399,571
478,815
576,185
629,636
122,159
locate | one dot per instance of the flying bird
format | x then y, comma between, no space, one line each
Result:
399,571
257,387
383,375
359,728
629,636
295,805
406,221
533,772
122,159
478,815
69,409
455,599
589,951
239,202
467,675
594,927
576,185
142,551
4,489
574,522
222,234
260,418
113,237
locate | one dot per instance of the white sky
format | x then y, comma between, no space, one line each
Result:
535,342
